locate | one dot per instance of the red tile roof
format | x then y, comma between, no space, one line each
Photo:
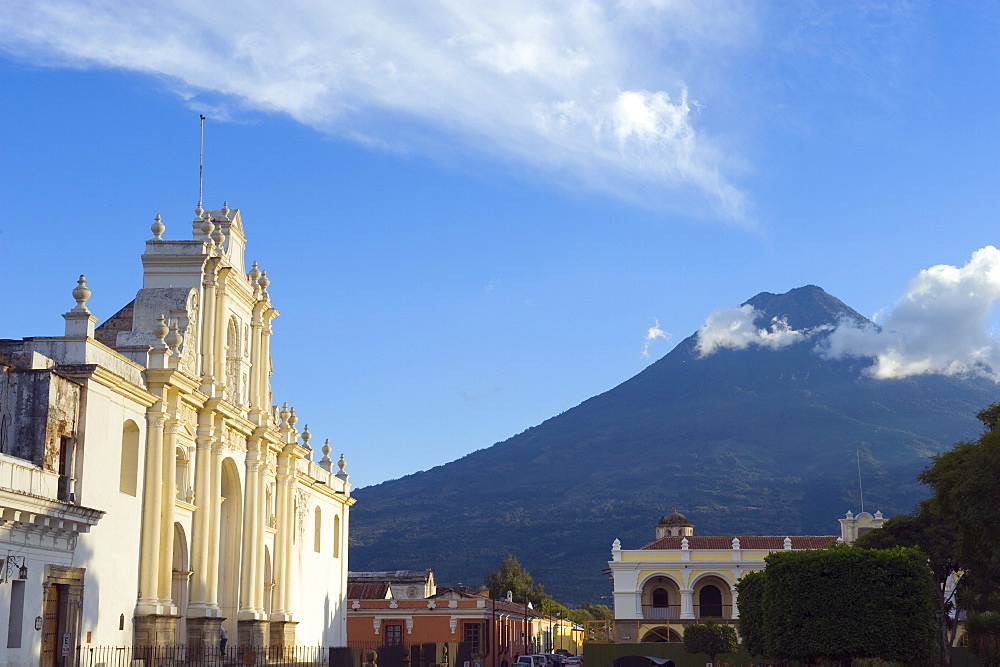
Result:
367,590
769,542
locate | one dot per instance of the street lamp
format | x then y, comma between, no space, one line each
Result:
12,563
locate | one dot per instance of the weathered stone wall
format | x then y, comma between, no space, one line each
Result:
37,409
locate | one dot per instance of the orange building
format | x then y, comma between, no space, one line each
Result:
494,632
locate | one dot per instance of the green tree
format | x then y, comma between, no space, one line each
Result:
934,534
750,589
514,578
840,604
710,638
966,485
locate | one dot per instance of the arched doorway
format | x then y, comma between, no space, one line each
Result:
179,583
661,635
660,607
230,530
660,598
709,602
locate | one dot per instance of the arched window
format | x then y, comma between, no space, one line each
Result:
317,540
336,536
710,602
660,598
128,474
181,479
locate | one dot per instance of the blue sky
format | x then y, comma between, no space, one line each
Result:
472,215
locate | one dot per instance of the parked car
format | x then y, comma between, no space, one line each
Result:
534,660
556,659
573,661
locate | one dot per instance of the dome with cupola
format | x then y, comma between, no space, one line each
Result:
674,524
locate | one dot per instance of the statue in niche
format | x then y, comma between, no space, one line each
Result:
190,333
233,361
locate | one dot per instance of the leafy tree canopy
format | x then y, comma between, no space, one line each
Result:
966,484
710,638
840,604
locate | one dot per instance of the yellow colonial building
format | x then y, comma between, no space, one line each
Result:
681,578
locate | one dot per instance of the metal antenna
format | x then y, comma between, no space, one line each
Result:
201,158
860,488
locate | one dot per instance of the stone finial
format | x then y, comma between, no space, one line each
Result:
736,543
198,210
79,320
81,293
254,274
342,464
264,281
306,437
293,418
326,451
174,339
684,544
225,209
284,413
850,514
218,237
840,540
158,228
878,514
787,543
160,329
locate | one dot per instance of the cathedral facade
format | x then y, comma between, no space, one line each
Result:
152,490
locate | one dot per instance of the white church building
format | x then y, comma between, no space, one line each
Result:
152,491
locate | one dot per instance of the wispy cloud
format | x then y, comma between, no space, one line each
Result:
652,334
571,90
942,324
736,328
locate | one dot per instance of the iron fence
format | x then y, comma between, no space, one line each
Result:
174,656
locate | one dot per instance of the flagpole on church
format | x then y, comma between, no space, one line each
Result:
201,158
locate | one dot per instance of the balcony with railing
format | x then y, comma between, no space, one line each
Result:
672,612
661,611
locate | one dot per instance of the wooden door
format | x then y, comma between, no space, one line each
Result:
50,627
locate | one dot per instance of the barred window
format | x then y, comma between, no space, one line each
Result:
393,635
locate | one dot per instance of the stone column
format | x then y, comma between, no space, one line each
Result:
201,521
258,601
169,482
215,504
149,600
252,626
250,531
285,519
257,400
220,333
265,361
735,610
687,603
208,330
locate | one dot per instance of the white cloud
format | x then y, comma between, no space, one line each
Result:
942,324
735,328
653,333
585,92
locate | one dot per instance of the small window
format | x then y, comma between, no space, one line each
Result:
473,633
317,540
16,619
393,635
336,536
129,472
